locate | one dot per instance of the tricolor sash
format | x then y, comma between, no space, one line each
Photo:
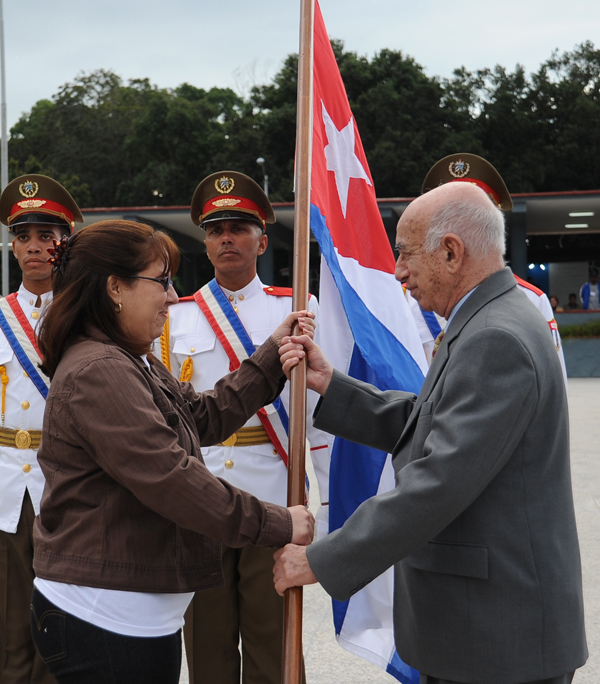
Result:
21,337
238,346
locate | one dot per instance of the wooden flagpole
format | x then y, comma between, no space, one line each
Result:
292,628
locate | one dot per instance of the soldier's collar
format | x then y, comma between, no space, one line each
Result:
23,295
251,289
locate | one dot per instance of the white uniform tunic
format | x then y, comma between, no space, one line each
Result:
542,304
257,469
535,296
24,410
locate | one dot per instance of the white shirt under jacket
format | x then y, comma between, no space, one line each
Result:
257,469
19,469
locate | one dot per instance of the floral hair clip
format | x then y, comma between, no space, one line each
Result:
60,253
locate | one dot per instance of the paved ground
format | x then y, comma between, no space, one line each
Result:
584,393
327,663
582,357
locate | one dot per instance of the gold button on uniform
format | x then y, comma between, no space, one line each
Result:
25,405
229,465
193,349
230,298
235,309
27,468
35,314
274,452
25,374
241,298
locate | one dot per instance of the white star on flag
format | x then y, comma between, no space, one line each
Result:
341,158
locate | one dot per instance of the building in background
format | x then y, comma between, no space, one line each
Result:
553,239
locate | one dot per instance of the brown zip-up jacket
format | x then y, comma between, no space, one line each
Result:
128,502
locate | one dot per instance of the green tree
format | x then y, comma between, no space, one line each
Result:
541,131
566,92
135,144
80,133
400,118
274,115
509,130
132,144
173,142
398,110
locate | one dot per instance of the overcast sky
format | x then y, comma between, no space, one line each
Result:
238,43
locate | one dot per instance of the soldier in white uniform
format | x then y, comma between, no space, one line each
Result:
37,210
233,210
471,168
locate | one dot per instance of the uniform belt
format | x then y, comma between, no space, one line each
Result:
248,436
21,439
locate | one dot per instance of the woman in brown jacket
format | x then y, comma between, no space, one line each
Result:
131,519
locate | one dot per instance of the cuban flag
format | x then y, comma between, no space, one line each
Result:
366,329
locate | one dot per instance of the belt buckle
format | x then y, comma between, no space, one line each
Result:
230,441
22,439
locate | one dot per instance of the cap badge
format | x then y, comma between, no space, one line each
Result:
459,168
31,204
29,188
224,185
226,202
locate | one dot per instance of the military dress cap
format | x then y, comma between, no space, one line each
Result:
229,195
38,199
469,168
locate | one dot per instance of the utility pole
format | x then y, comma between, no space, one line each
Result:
261,162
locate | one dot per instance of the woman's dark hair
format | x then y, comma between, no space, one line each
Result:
81,300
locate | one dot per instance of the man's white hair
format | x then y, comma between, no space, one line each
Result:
480,227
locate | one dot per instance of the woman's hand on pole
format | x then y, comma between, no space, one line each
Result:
303,525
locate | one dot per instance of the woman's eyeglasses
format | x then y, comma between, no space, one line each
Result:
166,282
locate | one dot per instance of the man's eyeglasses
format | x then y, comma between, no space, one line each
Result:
166,282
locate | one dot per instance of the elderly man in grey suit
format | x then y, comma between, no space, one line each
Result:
480,527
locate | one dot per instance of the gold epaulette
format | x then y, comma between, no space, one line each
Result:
187,370
4,377
165,353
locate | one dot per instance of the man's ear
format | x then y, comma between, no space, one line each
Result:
262,244
454,252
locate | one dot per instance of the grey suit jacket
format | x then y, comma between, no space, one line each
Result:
480,527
